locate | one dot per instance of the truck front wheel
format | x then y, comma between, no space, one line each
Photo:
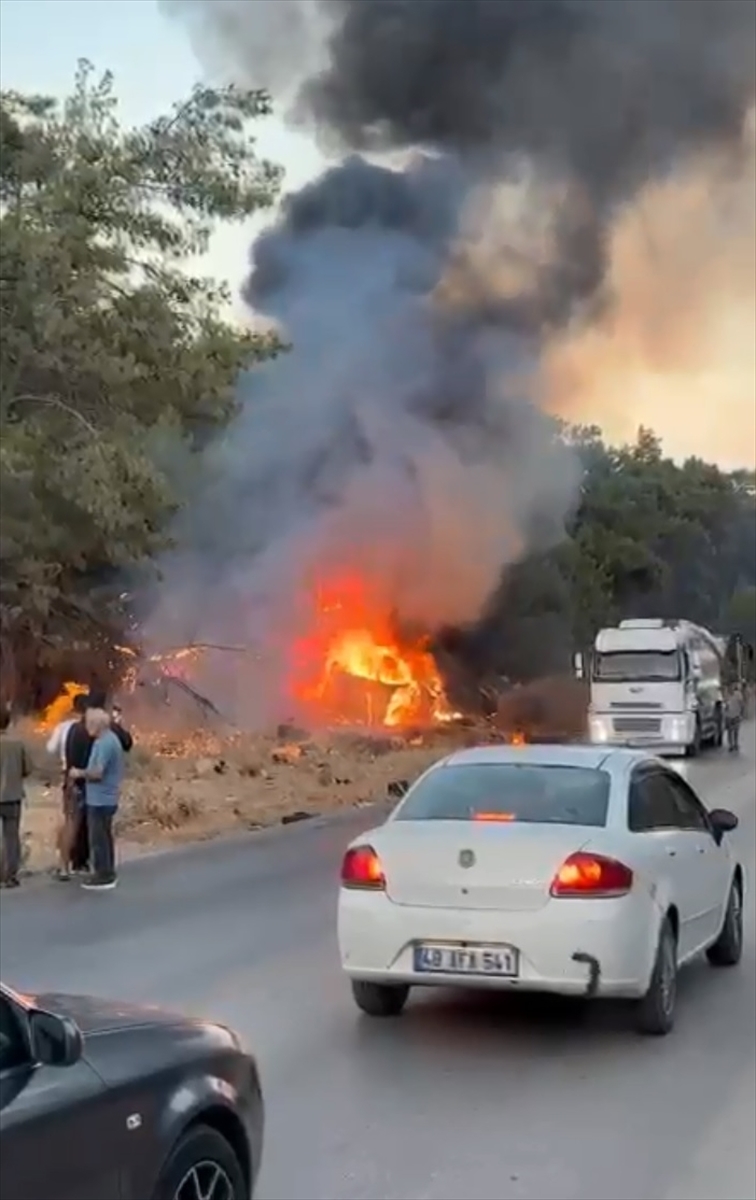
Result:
694,749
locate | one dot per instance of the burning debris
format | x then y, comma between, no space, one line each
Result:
483,154
157,680
60,708
187,783
353,666
443,283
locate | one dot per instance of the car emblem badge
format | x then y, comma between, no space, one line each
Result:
466,858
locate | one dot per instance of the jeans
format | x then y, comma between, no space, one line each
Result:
80,844
733,735
101,842
10,832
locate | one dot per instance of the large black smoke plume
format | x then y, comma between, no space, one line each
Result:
420,285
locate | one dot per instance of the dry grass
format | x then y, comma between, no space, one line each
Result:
247,784
180,791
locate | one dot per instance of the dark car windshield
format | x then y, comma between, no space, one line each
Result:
637,665
529,792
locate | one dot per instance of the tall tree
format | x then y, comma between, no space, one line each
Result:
116,359
649,537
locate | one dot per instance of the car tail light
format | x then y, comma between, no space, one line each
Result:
591,875
362,868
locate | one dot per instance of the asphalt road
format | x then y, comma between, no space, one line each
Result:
471,1097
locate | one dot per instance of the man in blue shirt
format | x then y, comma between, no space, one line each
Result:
103,776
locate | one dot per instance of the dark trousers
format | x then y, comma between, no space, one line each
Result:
733,735
101,841
10,835
80,847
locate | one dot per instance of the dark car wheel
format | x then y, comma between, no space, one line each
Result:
655,1012
694,749
202,1167
728,948
379,999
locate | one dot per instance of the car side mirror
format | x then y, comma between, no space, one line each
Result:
722,821
55,1041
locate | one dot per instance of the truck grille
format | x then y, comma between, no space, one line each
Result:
637,724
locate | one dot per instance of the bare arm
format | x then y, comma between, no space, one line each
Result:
54,741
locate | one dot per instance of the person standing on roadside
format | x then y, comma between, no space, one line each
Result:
74,751
734,707
56,743
102,777
78,749
14,769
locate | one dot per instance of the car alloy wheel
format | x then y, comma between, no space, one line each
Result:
205,1181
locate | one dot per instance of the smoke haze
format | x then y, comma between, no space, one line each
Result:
534,206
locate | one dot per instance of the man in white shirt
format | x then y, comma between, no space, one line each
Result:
56,743
72,796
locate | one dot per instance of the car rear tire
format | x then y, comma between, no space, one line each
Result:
202,1166
380,999
728,948
655,1012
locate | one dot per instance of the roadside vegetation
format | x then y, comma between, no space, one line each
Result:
118,364
117,361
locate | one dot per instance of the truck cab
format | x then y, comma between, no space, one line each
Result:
656,684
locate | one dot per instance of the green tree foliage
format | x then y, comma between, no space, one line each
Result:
670,540
740,615
649,537
117,366
116,362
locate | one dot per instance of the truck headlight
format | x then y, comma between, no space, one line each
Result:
678,729
599,729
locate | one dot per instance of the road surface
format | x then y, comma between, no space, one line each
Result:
468,1097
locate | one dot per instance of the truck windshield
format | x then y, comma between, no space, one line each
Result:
623,666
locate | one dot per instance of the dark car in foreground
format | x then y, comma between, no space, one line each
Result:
103,1101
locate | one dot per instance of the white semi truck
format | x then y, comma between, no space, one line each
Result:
657,684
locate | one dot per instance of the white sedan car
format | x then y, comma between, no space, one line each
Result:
569,869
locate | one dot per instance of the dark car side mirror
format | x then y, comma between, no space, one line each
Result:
55,1041
722,821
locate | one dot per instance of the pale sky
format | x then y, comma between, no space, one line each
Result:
41,42
154,66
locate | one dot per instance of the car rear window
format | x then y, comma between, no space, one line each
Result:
524,792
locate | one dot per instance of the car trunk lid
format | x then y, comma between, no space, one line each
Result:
475,865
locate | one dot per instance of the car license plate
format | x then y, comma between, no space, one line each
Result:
431,958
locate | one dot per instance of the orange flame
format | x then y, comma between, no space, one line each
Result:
176,663
60,708
352,667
